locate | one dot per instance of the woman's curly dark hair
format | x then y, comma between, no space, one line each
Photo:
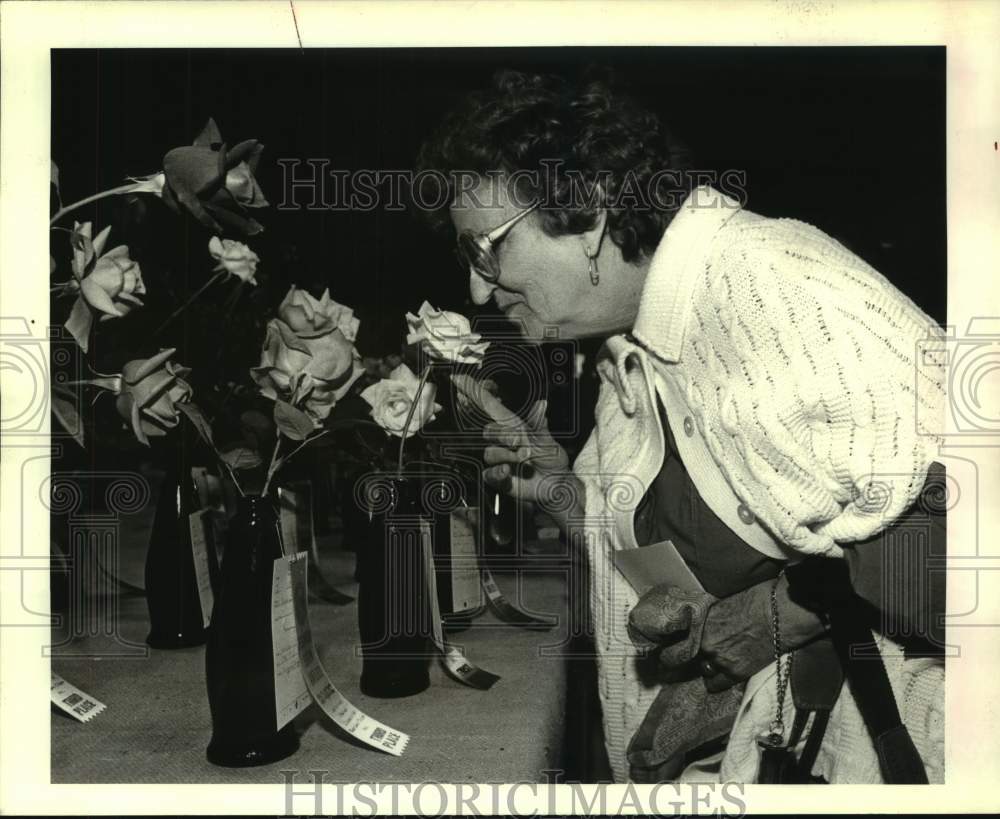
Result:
611,153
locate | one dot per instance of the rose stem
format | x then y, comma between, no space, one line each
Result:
306,441
228,307
271,467
111,192
409,417
112,383
187,304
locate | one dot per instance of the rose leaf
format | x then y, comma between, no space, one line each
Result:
294,423
66,414
195,416
241,458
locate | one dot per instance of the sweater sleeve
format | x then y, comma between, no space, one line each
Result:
897,571
820,405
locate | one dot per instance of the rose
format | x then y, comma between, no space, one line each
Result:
446,336
392,397
308,316
108,284
234,257
151,390
213,184
311,373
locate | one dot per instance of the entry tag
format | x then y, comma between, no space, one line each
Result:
655,565
295,535
291,696
67,697
466,591
452,658
290,607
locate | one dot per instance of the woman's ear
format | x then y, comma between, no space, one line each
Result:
593,237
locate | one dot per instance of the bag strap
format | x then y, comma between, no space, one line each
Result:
898,758
826,584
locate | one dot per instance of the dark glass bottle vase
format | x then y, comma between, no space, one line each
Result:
393,611
175,615
239,666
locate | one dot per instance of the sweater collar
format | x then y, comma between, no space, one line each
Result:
679,259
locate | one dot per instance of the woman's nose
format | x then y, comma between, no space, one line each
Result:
480,289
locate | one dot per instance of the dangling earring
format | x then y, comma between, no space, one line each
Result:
595,276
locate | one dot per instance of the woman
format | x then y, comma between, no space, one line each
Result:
759,409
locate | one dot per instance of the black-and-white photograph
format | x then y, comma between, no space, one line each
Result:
546,415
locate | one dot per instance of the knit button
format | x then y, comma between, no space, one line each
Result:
745,514
688,426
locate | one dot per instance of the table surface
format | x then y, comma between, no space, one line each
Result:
157,723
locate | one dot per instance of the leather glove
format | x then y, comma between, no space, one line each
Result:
667,623
726,640
737,639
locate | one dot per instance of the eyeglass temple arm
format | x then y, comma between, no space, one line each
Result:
500,231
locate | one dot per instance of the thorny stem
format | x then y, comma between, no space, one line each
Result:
409,417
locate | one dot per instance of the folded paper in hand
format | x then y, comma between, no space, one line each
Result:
654,565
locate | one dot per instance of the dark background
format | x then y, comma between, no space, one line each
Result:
849,139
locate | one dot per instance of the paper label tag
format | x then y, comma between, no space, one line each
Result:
291,696
654,565
466,592
290,598
452,658
288,503
73,701
510,613
198,523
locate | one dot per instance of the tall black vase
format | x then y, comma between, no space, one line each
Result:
175,615
393,607
239,665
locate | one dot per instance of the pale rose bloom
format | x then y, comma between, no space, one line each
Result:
234,257
151,388
108,285
445,336
309,316
392,397
311,373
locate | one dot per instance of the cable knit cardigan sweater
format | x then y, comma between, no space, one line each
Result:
789,373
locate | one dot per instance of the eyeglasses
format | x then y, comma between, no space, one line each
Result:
475,250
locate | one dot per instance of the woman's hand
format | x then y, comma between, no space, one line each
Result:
725,641
737,641
523,460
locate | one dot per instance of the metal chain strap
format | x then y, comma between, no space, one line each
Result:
784,670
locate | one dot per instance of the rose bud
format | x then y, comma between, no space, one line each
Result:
151,389
108,285
214,184
234,257
392,397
